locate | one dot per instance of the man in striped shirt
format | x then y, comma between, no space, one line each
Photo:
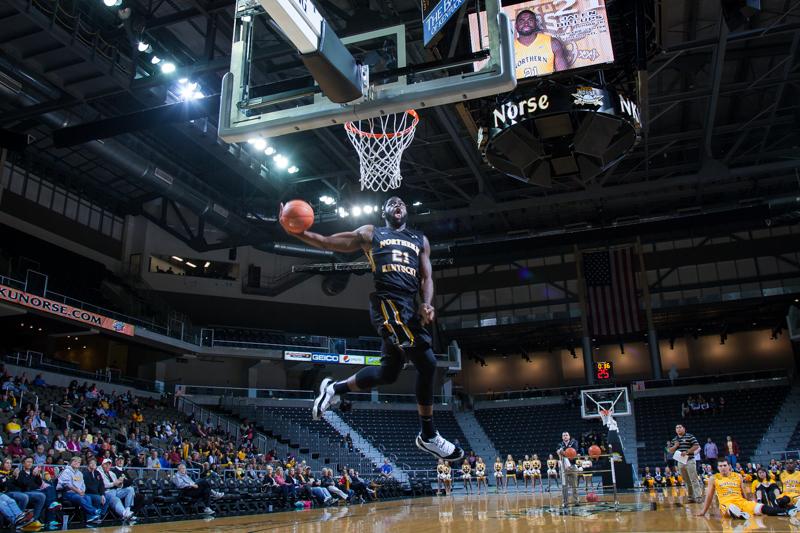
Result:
687,445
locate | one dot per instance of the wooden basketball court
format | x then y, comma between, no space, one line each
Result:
513,512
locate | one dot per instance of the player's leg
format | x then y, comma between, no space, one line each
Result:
369,377
428,438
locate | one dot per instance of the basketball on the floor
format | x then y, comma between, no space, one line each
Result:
594,451
591,497
570,453
296,216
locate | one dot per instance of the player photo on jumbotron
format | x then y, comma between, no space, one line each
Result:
553,35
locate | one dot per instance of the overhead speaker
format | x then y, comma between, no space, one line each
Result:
553,126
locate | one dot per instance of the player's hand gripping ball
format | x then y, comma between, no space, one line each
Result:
296,216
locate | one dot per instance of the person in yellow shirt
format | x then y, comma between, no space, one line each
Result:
647,479
790,481
552,472
536,472
729,488
498,474
480,475
511,471
466,475
527,470
765,489
536,53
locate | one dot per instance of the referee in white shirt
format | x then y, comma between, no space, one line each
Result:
687,445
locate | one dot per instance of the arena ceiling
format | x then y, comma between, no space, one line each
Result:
720,109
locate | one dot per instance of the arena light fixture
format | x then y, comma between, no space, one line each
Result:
367,209
168,67
176,258
269,150
257,142
343,213
144,46
112,3
293,170
191,264
356,210
247,18
155,60
281,161
327,200
417,204
208,264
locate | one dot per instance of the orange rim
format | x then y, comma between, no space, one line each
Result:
351,127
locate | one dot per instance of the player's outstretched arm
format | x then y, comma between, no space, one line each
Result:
345,242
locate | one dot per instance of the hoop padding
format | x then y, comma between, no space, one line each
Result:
380,143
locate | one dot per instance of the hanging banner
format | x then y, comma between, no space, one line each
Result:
44,305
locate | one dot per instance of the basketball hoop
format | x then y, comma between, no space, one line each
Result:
380,143
607,416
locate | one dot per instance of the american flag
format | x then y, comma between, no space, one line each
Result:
611,291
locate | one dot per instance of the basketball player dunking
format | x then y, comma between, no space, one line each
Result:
401,266
536,52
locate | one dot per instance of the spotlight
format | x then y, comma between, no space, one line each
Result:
343,212
367,209
259,144
112,3
155,60
168,67
293,170
356,211
281,161
417,204
208,264
188,91
327,200
144,47
269,150
84,347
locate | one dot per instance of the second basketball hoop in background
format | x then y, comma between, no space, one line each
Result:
380,143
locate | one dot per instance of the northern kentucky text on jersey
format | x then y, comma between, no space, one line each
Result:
394,267
399,242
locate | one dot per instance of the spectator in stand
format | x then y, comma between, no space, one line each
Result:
314,487
287,488
174,458
15,516
711,452
704,406
15,449
694,406
386,469
73,444
13,427
39,456
153,461
120,498
731,451
72,483
41,495
140,461
712,404
5,403
39,381
721,404
95,489
199,490
329,483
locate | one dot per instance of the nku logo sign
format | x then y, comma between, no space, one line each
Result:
325,358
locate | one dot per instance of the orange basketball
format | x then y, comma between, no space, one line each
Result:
591,497
296,216
570,453
594,451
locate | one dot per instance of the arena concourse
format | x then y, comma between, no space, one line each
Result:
399,266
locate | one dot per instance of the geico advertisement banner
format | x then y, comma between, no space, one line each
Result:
67,311
325,358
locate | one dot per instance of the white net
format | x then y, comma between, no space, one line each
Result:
380,143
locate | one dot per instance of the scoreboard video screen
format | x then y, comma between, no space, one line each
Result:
552,35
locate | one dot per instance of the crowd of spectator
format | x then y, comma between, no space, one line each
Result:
87,449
